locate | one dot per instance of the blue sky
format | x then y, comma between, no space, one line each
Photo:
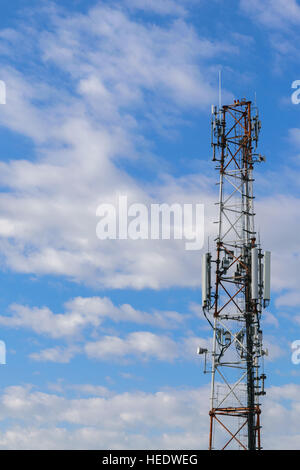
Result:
105,98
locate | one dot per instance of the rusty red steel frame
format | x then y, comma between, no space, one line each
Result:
234,304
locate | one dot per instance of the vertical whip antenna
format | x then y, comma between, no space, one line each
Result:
220,89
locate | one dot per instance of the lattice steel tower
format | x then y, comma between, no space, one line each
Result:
233,303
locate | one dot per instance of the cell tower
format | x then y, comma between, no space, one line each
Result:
233,304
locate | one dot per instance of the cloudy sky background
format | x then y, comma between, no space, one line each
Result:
110,98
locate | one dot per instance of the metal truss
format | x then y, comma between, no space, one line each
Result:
234,304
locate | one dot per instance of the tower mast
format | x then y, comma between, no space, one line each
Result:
233,303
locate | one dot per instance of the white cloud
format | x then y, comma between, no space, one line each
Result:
138,345
47,216
43,321
167,7
119,421
270,319
281,417
104,308
277,217
119,69
126,421
146,345
289,299
81,312
273,344
60,387
143,344
88,389
273,13
279,20
56,354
